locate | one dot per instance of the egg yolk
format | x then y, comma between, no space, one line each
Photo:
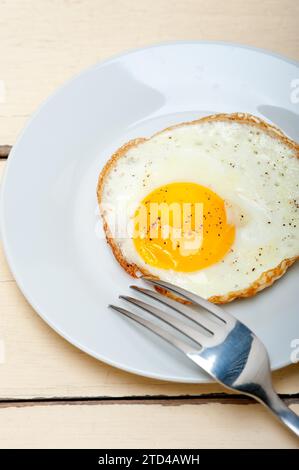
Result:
182,226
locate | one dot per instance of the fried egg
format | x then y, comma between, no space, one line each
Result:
211,205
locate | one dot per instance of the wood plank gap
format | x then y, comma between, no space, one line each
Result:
220,398
4,151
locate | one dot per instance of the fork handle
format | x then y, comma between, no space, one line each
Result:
281,410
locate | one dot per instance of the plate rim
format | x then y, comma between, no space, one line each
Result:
3,235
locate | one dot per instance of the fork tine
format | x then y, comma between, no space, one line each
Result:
170,338
196,336
194,298
202,321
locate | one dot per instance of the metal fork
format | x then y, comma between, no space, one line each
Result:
222,346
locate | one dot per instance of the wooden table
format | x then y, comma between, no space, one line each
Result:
51,394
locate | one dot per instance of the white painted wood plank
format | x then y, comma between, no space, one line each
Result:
48,43
142,426
42,44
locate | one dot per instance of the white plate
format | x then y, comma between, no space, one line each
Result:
49,209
